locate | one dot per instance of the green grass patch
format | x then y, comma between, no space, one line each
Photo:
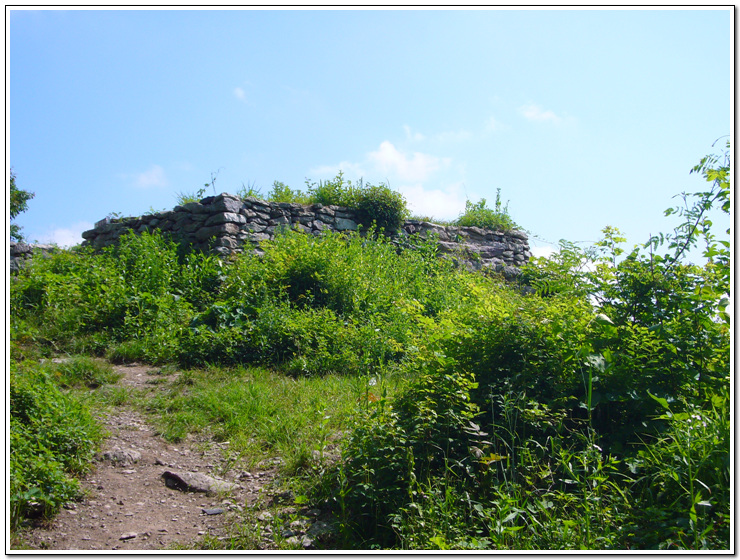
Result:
263,413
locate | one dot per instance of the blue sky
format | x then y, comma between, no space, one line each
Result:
583,118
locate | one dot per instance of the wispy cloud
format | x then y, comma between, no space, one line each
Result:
453,136
445,136
66,237
350,170
417,167
535,113
240,94
417,136
154,177
493,125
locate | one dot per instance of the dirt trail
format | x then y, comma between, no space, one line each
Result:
130,507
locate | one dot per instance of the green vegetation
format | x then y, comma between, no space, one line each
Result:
18,204
52,438
429,407
377,206
478,214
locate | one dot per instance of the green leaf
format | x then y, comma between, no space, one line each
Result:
661,401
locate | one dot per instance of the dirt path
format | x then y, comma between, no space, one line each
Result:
129,505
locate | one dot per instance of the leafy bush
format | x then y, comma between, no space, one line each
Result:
53,437
567,391
18,204
381,207
479,215
337,192
281,192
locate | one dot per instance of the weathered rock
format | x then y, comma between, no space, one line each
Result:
121,457
225,217
196,482
344,224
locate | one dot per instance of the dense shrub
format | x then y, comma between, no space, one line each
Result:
596,409
52,438
382,207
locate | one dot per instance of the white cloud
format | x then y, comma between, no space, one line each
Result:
240,94
543,251
153,177
388,159
410,173
533,112
444,204
66,237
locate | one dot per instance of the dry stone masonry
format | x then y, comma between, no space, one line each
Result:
20,252
227,224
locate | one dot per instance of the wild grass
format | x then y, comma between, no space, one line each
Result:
263,413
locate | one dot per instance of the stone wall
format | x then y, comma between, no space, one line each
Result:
20,252
227,224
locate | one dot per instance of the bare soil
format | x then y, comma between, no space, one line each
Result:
129,506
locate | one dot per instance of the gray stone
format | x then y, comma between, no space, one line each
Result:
225,217
226,203
121,457
304,220
301,227
190,227
343,224
226,241
194,207
279,220
196,482
208,232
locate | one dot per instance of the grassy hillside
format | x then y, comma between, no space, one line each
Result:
585,407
